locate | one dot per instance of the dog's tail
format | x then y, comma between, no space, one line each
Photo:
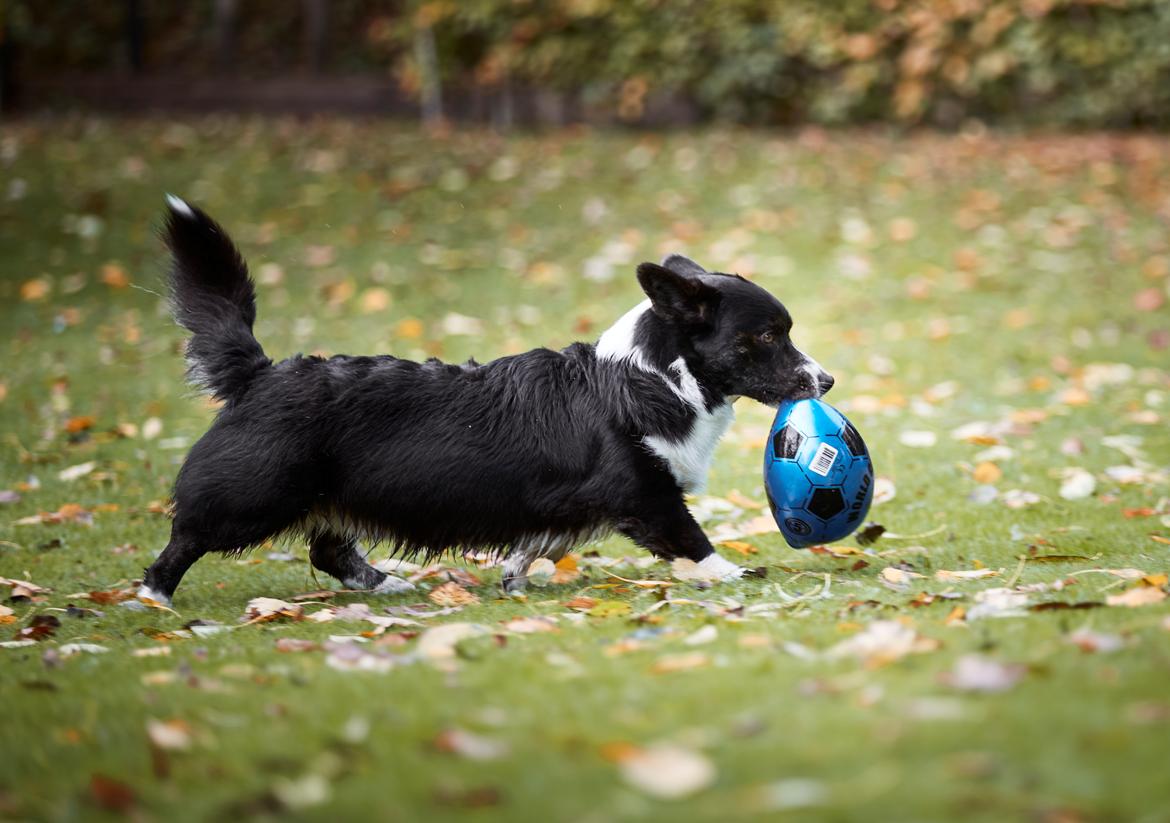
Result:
213,298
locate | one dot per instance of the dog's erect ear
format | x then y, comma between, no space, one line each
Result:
676,297
680,264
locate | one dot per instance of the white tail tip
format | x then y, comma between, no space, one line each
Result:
179,206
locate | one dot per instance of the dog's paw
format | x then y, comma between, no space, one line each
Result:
393,585
720,568
150,597
514,586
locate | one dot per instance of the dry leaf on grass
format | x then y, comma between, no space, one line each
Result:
1140,596
263,609
452,594
22,588
668,772
882,642
739,546
469,745
897,579
668,664
530,625
975,672
169,735
964,574
1077,484
1088,640
540,571
439,642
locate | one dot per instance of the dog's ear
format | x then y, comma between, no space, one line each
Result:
676,297
681,264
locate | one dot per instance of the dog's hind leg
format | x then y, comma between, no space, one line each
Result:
163,576
339,557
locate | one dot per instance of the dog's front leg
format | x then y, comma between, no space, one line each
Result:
668,530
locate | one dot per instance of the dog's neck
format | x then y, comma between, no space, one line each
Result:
645,341
641,339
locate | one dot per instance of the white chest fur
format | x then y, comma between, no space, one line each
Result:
690,458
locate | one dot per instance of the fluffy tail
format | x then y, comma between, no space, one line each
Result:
213,298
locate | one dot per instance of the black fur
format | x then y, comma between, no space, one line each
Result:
433,457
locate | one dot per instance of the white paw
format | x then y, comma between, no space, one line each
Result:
393,585
149,595
720,568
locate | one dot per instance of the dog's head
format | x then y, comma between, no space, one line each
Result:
735,335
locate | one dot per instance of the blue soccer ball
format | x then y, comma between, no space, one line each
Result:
817,474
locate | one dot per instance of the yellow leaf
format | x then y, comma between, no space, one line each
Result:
739,546
411,328
1141,596
35,289
452,594
114,276
987,472
671,663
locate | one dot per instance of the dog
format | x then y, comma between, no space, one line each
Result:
526,456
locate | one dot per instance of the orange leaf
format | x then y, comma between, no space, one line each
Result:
739,546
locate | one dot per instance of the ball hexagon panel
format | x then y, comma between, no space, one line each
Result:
826,503
786,443
853,440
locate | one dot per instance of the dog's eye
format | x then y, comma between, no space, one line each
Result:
767,338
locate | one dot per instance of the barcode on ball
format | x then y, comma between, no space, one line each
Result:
823,460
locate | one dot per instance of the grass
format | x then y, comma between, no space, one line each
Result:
945,281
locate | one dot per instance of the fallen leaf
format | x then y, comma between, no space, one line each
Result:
22,589
897,579
882,642
1077,484
671,663
567,570
264,609
965,574
1090,641
296,644
469,745
71,649
739,546
917,439
112,795
974,672
986,472
667,771
530,625
452,594
114,276
870,534
581,604
1140,596
439,642
540,571
609,608
702,636
169,735
998,602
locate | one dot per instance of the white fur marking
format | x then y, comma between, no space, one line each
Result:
179,206
617,343
690,458
725,569
815,371
147,593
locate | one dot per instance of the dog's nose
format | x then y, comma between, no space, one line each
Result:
825,382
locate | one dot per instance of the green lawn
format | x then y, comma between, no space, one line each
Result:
991,306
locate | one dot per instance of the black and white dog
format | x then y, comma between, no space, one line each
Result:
526,456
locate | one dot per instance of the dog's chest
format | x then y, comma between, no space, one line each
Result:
689,459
